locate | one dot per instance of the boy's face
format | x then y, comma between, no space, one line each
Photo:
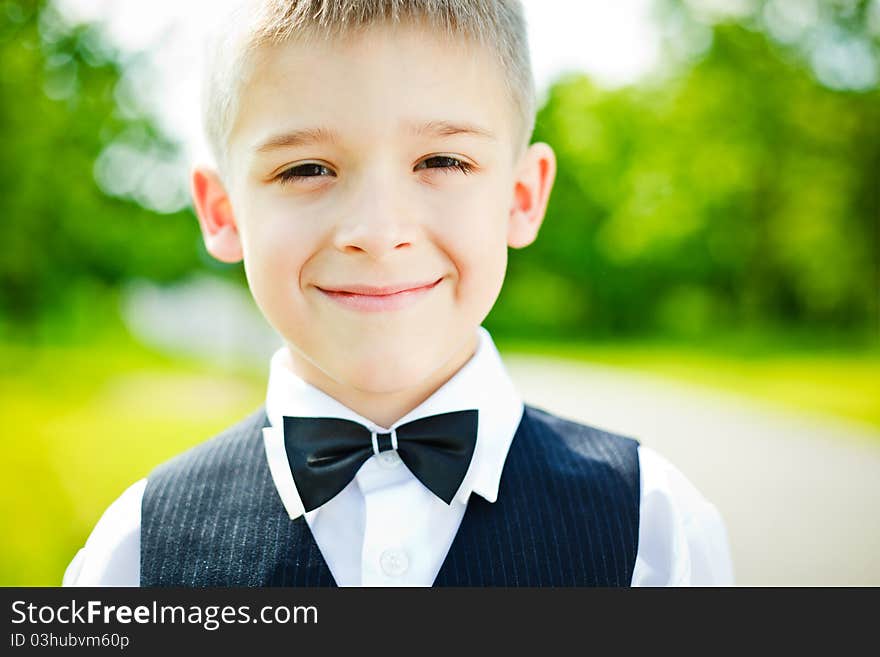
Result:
346,174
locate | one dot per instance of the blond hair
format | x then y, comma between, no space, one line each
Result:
252,24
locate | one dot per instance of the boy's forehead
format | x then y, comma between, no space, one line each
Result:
402,81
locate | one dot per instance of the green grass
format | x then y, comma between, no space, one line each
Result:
83,423
85,420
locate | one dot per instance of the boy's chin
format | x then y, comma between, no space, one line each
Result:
389,376
388,369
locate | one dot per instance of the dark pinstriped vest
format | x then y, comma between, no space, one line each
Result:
567,514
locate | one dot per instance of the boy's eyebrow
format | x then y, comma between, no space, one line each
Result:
307,136
450,128
302,137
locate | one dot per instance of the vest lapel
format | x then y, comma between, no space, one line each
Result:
473,557
302,563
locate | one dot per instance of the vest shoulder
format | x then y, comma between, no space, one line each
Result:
575,456
567,441
223,451
574,433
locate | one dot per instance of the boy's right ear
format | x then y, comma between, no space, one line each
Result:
214,210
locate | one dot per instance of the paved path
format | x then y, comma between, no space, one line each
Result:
800,495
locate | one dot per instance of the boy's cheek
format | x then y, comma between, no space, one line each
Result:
274,263
278,267
477,233
276,235
279,297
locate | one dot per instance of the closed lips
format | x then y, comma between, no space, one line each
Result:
386,290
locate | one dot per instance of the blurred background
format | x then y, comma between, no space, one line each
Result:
707,278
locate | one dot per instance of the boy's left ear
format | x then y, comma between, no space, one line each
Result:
534,179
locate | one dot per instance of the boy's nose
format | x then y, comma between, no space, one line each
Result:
377,225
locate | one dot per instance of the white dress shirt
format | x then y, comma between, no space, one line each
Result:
386,529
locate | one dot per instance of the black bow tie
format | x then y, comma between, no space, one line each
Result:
325,453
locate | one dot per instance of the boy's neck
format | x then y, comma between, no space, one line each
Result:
382,408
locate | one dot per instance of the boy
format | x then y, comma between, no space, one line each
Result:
373,168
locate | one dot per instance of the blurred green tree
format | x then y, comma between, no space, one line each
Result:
64,238
740,190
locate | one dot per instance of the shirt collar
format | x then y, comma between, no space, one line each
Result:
481,383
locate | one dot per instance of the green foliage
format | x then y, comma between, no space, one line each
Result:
61,233
741,193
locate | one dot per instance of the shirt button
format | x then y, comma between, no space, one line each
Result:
389,459
394,562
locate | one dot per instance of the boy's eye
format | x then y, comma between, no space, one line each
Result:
446,162
300,171
316,170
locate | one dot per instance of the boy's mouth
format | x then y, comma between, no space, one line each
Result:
372,298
